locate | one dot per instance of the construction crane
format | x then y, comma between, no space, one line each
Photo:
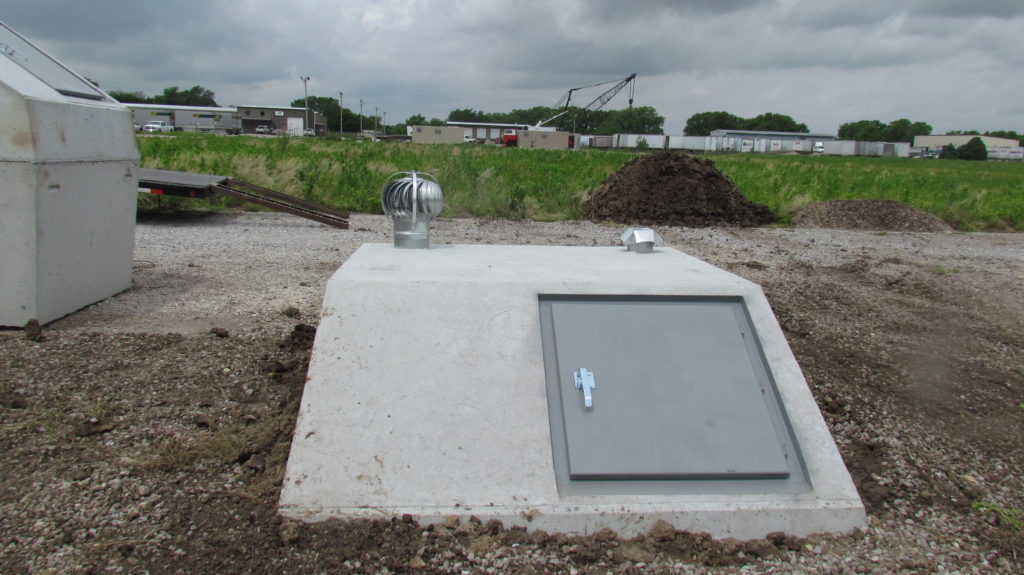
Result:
599,101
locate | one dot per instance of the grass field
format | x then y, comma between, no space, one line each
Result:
549,184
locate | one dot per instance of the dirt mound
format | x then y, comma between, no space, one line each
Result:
672,189
884,215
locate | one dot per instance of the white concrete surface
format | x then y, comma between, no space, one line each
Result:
67,203
426,395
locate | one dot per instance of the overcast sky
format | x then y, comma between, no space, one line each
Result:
956,64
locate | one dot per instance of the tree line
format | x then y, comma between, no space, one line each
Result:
704,123
902,130
172,96
638,120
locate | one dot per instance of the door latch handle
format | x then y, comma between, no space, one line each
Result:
584,380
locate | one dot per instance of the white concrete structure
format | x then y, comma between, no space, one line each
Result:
427,395
68,163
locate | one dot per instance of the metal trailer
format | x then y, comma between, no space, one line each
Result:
839,148
207,119
192,185
142,114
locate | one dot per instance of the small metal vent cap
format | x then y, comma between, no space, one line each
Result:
641,240
411,200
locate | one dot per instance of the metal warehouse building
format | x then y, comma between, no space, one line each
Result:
281,119
938,141
231,120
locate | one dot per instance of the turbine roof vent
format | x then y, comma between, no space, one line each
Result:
411,200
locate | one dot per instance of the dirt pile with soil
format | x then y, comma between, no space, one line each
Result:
880,215
670,189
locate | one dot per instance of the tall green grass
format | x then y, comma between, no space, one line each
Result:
476,180
491,181
967,195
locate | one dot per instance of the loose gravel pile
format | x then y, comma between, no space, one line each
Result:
149,432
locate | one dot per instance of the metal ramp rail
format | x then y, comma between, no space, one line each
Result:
192,185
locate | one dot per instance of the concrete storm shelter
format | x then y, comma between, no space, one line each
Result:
69,164
560,388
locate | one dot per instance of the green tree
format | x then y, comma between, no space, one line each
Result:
863,131
704,123
467,115
416,120
325,105
129,97
948,152
194,96
903,130
771,122
639,120
536,115
974,149
351,121
1010,134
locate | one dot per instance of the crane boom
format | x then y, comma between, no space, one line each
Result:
603,99
599,101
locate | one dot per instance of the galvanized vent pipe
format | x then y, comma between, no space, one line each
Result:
641,240
411,200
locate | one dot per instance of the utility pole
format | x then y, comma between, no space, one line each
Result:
384,121
305,115
376,116
360,117
341,114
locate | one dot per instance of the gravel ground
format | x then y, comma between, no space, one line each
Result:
149,432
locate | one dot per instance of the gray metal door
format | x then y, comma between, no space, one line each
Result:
680,390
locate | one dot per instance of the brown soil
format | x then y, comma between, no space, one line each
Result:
881,215
134,438
672,189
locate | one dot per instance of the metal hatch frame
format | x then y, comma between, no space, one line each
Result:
797,480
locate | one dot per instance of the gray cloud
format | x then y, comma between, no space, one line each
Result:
823,62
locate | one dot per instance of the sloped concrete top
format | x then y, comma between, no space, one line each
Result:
426,395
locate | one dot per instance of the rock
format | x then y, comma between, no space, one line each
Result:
288,532
637,554
93,427
220,332
273,366
662,531
759,547
33,331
